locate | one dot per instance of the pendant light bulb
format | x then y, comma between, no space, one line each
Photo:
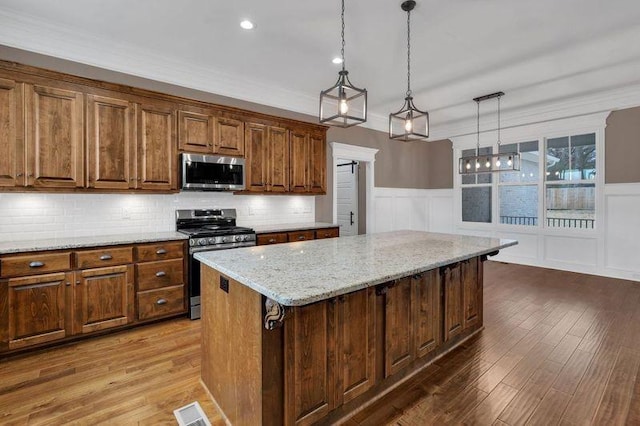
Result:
477,164
510,162
408,125
498,163
468,165
344,107
487,164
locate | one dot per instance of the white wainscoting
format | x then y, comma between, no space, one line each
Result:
613,249
414,209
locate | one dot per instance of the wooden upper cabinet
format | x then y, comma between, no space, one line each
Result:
195,131
317,164
229,137
11,133
157,160
278,176
110,143
256,142
299,164
54,146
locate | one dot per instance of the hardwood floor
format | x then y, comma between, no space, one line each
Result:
558,348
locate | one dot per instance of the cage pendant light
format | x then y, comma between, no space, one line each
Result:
343,104
500,162
410,123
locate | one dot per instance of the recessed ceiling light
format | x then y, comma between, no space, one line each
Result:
337,60
247,24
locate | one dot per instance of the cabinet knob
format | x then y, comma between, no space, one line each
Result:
106,257
272,240
160,274
36,264
78,282
301,238
30,175
67,283
161,251
161,302
19,175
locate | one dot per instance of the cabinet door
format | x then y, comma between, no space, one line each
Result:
195,132
104,298
278,159
355,344
110,143
257,157
399,330
11,134
229,137
427,320
37,310
157,166
472,293
453,315
317,164
299,152
309,348
54,137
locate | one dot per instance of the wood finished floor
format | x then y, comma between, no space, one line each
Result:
558,348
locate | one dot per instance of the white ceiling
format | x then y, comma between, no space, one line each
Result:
536,51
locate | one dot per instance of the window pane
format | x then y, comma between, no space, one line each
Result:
583,156
476,204
558,159
519,205
529,158
571,205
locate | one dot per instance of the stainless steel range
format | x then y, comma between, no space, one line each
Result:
209,229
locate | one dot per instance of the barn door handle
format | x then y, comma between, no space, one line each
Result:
351,214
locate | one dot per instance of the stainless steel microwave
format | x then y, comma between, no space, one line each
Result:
212,173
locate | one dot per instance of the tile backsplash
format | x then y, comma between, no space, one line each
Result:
30,216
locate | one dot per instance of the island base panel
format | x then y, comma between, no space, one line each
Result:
326,361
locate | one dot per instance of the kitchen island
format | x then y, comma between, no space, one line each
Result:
313,331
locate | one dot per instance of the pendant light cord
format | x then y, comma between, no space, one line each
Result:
342,36
499,123
409,53
478,130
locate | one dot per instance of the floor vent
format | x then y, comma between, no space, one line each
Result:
191,415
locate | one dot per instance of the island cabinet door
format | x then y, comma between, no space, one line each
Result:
427,322
310,363
399,329
472,293
453,312
355,344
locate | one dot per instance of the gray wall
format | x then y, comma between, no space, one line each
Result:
622,146
398,164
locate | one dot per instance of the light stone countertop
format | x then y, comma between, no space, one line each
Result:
304,272
285,227
7,247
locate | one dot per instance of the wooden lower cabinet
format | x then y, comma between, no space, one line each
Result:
34,310
104,298
330,357
293,236
471,293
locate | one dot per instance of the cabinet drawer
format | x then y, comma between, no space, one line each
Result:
275,238
163,273
161,302
301,236
159,251
33,264
327,233
104,257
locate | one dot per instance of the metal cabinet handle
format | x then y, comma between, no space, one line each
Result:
161,302
78,282
36,264
161,274
301,237
19,175
272,240
161,251
327,235
68,284
106,257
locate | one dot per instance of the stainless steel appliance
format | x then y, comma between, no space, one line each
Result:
209,229
212,173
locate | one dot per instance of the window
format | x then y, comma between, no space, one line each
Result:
518,190
476,192
570,182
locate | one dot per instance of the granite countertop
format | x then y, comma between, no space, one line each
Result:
309,271
285,227
93,241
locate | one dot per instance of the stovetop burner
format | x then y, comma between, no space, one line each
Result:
212,231
213,228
